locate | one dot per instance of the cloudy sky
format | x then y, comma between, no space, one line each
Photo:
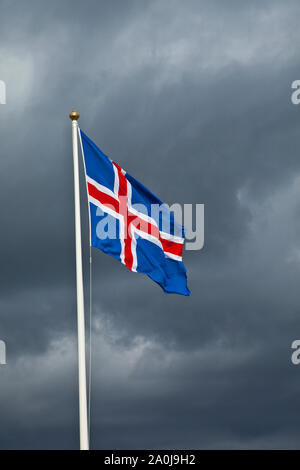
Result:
193,99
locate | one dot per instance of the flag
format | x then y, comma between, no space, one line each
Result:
131,224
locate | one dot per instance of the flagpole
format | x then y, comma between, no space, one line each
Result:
83,417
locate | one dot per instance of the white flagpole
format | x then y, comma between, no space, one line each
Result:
83,418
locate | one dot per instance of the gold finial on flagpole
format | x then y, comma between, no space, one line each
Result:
74,116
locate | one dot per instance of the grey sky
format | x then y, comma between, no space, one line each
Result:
193,99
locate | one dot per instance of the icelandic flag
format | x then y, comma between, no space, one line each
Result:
131,224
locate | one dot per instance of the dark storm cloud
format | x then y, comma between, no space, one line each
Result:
193,99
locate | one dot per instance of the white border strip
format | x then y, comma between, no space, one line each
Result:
101,188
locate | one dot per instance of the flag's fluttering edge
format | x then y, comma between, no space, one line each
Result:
131,224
